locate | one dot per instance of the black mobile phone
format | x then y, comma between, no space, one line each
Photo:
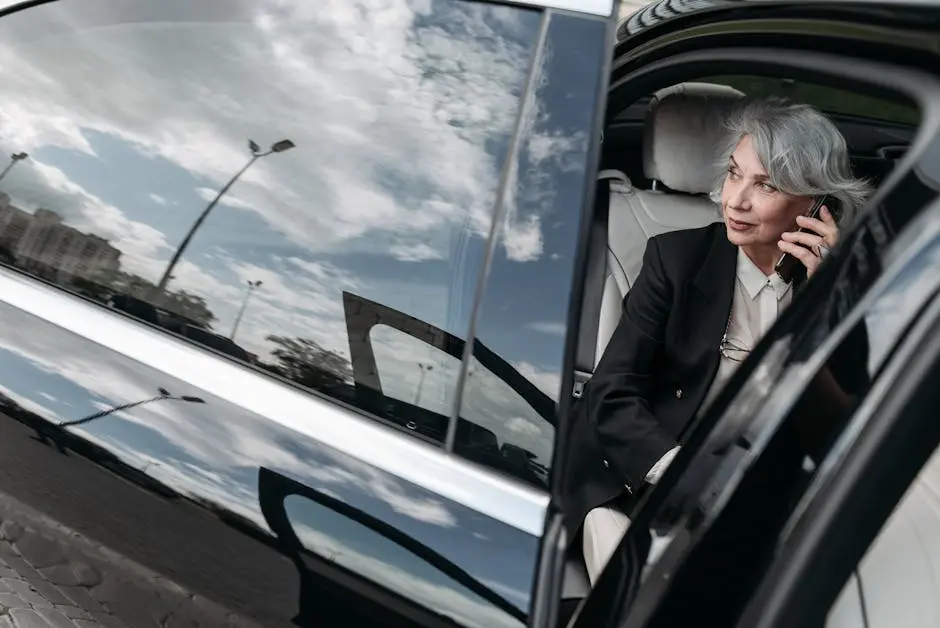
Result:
787,264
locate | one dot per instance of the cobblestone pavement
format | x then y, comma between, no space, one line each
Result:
44,590
51,577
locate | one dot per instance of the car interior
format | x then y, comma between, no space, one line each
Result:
658,170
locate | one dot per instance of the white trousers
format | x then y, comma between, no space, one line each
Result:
603,530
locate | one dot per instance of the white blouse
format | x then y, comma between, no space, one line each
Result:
757,302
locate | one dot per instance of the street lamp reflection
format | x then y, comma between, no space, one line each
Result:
256,154
14,159
163,396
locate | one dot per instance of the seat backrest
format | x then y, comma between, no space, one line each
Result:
684,131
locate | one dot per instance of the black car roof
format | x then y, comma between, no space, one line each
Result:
662,12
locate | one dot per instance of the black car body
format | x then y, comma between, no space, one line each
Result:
373,435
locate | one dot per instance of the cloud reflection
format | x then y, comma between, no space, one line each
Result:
400,110
210,452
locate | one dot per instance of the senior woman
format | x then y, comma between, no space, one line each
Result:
702,300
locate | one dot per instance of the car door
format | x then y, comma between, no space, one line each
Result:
869,514
203,206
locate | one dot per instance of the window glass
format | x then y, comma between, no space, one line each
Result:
498,425
524,436
240,173
431,382
825,97
523,314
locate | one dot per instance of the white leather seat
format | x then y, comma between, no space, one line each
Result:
684,131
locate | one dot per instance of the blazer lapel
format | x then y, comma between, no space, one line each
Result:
712,293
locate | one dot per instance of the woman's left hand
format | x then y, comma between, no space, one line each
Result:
813,244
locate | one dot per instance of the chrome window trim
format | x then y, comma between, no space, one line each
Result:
511,164
604,8
404,456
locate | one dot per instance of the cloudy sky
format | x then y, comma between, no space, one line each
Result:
134,115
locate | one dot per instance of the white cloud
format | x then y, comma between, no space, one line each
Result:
549,383
208,194
392,138
29,404
417,252
550,328
523,426
401,104
523,241
544,147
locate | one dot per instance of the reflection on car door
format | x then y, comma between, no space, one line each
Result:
188,433
471,440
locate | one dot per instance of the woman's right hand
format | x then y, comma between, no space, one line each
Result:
813,244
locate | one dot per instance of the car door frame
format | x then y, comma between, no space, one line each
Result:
672,45
894,434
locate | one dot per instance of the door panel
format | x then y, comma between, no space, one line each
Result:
162,498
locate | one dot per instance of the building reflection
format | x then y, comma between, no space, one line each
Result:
41,244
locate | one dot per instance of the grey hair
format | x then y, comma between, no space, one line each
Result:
801,149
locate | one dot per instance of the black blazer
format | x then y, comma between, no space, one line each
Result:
660,363
657,368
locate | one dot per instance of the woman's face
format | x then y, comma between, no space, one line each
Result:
755,212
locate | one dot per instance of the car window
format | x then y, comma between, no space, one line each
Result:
830,99
430,386
227,172
524,309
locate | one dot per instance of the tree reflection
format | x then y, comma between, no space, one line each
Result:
184,304
307,363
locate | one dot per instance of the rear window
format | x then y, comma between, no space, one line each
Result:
832,100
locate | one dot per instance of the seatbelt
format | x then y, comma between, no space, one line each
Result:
594,282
